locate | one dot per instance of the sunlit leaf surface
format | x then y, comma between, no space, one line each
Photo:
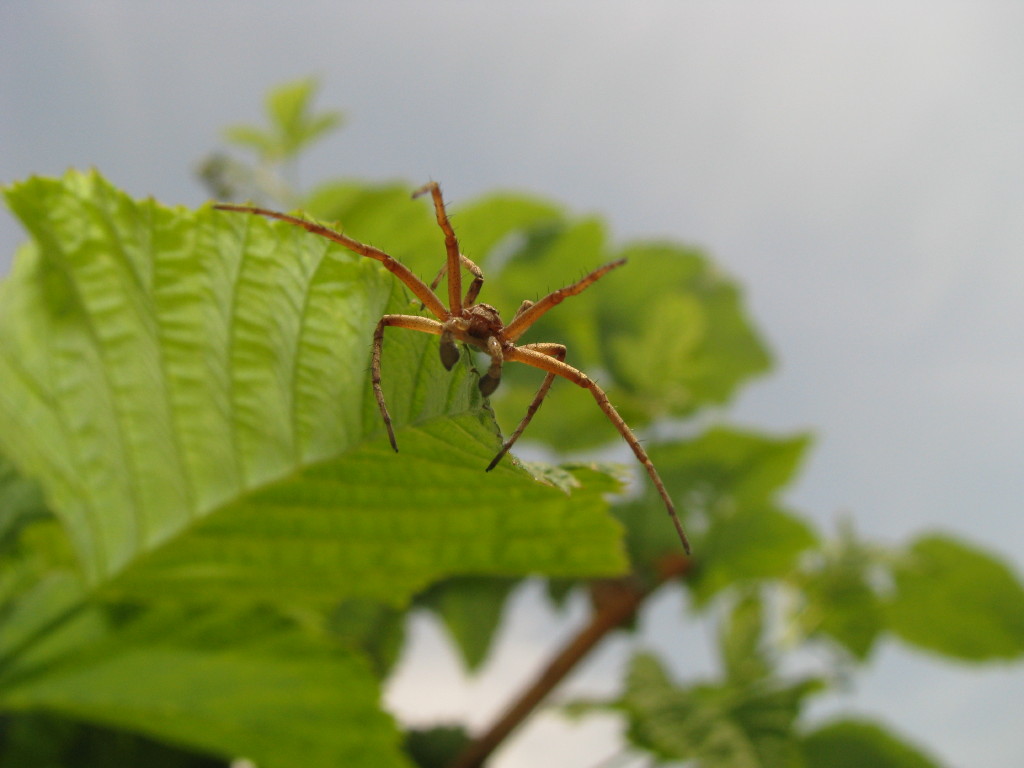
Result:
192,392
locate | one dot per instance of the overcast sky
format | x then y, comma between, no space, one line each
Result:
859,167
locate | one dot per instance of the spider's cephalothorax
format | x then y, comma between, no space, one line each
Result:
480,326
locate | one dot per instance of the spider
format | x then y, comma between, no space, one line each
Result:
480,326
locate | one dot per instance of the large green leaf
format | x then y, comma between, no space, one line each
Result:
957,600
224,681
191,390
227,683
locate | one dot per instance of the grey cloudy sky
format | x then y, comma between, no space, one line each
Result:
858,166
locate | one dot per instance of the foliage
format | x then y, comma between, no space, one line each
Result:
208,547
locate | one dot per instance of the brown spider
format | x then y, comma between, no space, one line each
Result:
480,326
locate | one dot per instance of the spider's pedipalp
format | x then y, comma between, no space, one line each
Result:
527,316
490,380
449,350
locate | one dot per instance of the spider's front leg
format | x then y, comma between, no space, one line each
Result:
413,322
556,351
534,354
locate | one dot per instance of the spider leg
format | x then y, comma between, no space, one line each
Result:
451,246
529,315
547,363
556,351
440,274
413,322
395,267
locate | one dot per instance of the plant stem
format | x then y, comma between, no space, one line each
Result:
616,602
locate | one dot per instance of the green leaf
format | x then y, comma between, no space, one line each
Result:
21,503
263,143
957,600
376,629
232,684
293,125
724,726
385,215
317,126
694,331
289,107
740,641
496,226
191,391
43,741
839,596
471,609
858,743
728,479
227,682
726,466
748,545
690,347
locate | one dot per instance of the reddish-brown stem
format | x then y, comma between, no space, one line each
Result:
616,602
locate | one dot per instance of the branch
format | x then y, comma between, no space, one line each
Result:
616,602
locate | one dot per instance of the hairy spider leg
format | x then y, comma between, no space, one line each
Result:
392,265
441,214
556,351
451,247
413,322
547,363
527,316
